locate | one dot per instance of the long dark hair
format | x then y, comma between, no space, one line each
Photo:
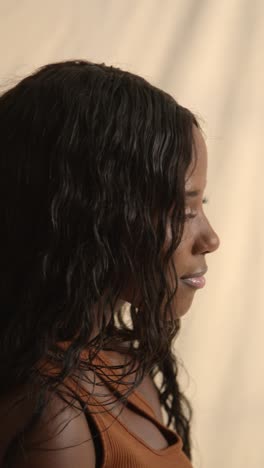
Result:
92,160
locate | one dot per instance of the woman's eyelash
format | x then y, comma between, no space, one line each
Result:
192,214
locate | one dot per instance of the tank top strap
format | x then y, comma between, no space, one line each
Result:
136,397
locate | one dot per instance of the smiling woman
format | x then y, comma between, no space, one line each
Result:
104,240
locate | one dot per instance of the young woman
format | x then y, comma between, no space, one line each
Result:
104,243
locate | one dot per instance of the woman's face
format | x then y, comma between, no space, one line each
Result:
198,238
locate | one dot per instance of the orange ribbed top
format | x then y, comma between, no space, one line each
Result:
125,449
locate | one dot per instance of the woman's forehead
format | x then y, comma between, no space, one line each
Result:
197,172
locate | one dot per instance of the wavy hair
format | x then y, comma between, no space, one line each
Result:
92,160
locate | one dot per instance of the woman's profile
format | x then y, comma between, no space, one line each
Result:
104,244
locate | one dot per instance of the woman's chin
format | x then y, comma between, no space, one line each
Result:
181,308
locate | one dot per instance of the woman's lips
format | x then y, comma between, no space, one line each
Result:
197,282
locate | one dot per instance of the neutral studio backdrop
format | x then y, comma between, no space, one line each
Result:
209,56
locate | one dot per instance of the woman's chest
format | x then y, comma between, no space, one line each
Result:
143,428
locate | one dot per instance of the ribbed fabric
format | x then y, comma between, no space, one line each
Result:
124,449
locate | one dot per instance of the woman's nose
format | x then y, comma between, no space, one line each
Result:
214,240
208,239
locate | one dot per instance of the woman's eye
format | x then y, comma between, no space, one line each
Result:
190,214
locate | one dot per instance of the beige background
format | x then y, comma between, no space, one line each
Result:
209,55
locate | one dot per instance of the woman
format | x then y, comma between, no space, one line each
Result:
103,246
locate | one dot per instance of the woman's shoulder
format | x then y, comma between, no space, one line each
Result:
16,411
60,437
